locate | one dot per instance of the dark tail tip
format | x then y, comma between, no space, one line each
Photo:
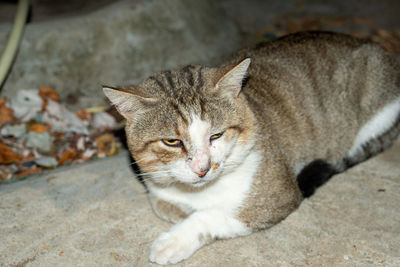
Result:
313,176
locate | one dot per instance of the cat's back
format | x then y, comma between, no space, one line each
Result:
313,91
314,54
302,45
320,70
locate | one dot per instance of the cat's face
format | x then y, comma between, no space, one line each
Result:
187,126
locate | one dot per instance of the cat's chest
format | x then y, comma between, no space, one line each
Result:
226,194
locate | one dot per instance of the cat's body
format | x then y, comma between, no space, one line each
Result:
222,160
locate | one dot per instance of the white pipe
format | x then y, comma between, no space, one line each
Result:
14,38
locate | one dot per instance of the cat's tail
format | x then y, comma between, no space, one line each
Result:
374,146
313,176
319,172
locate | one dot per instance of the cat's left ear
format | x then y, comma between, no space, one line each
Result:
230,83
130,101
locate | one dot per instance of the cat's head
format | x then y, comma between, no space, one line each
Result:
187,126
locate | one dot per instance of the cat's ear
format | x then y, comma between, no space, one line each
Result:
232,78
129,101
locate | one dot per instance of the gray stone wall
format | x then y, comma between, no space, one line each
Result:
120,44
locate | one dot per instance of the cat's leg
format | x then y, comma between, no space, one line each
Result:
166,210
199,229
375,136
275,194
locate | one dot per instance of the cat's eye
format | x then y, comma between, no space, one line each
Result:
172,142
215,136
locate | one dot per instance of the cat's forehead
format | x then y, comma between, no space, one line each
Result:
184,97
186,82
173,119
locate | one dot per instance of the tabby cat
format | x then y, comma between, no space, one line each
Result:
230,150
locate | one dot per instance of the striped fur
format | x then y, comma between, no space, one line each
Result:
262,136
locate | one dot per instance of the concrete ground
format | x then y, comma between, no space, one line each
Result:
97,214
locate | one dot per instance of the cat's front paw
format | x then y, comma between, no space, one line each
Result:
170,248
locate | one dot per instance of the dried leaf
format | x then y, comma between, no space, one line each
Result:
26,104
67,155
88,154
83,115
47,162
103,120
38,128
106,145
63,120
5,176
48,93
7,155
6,113
32,170
80,144
58,135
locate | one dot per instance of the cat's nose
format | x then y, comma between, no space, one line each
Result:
203,172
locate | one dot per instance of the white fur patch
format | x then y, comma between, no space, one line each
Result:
199,131
226,194
380,123
214,209
191,234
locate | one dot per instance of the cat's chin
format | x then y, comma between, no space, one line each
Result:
203,182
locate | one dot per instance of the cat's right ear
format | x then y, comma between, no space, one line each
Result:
130,101
232,78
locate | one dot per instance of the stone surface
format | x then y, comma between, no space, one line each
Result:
97,214
253,15
120,44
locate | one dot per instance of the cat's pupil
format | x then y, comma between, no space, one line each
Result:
215,136
172,142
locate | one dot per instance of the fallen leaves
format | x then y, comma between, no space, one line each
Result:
45,134
7,155
106,145
6,113
38,128
48,93
67,155
83,115
31,170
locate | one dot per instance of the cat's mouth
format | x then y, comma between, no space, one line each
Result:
199,182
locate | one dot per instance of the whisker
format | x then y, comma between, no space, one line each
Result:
136,161
155,172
